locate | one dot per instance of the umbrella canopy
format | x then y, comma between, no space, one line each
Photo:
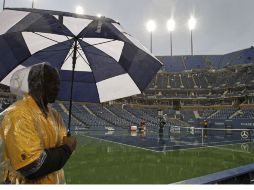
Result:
108,62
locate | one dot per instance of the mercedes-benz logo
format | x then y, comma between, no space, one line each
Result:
244,134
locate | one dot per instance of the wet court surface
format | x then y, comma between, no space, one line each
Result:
174,138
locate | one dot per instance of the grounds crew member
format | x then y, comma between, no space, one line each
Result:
33,135
205,128
162,123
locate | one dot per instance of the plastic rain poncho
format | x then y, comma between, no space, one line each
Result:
27,128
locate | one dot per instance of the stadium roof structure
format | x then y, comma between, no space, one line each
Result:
189,62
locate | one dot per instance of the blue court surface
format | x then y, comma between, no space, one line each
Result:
175,138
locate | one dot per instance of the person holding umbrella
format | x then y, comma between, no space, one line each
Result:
33,134
96,59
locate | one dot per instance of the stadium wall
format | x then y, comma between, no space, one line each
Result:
232,123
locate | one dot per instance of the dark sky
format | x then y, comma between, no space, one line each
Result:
223,26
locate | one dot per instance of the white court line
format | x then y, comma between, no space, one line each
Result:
215,146
123,144
151,148
219,147
228,149
198,144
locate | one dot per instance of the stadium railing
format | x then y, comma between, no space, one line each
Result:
239,175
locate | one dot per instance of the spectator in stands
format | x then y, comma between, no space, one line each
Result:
33,134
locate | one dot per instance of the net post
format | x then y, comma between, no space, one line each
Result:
202,134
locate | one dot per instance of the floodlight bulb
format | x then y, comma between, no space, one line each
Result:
192,23
79,10
151,26
171,25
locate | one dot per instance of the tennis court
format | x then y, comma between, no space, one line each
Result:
175,138
125,157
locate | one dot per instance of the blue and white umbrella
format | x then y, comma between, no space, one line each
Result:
95,57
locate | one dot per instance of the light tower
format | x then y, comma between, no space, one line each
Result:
192,24
171,28
151,26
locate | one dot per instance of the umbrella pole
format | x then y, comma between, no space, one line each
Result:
3,4
74,59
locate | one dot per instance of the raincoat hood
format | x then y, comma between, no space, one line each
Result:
35,81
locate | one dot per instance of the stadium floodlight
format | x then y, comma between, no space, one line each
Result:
171,25
192,24
171,28
79,10
151,26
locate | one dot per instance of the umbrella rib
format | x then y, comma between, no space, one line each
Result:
52,39
68,47
100,43
68,56
46,37
83,58
100,55
95,54
54,50
90,45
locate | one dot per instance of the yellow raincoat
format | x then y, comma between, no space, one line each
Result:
25,134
